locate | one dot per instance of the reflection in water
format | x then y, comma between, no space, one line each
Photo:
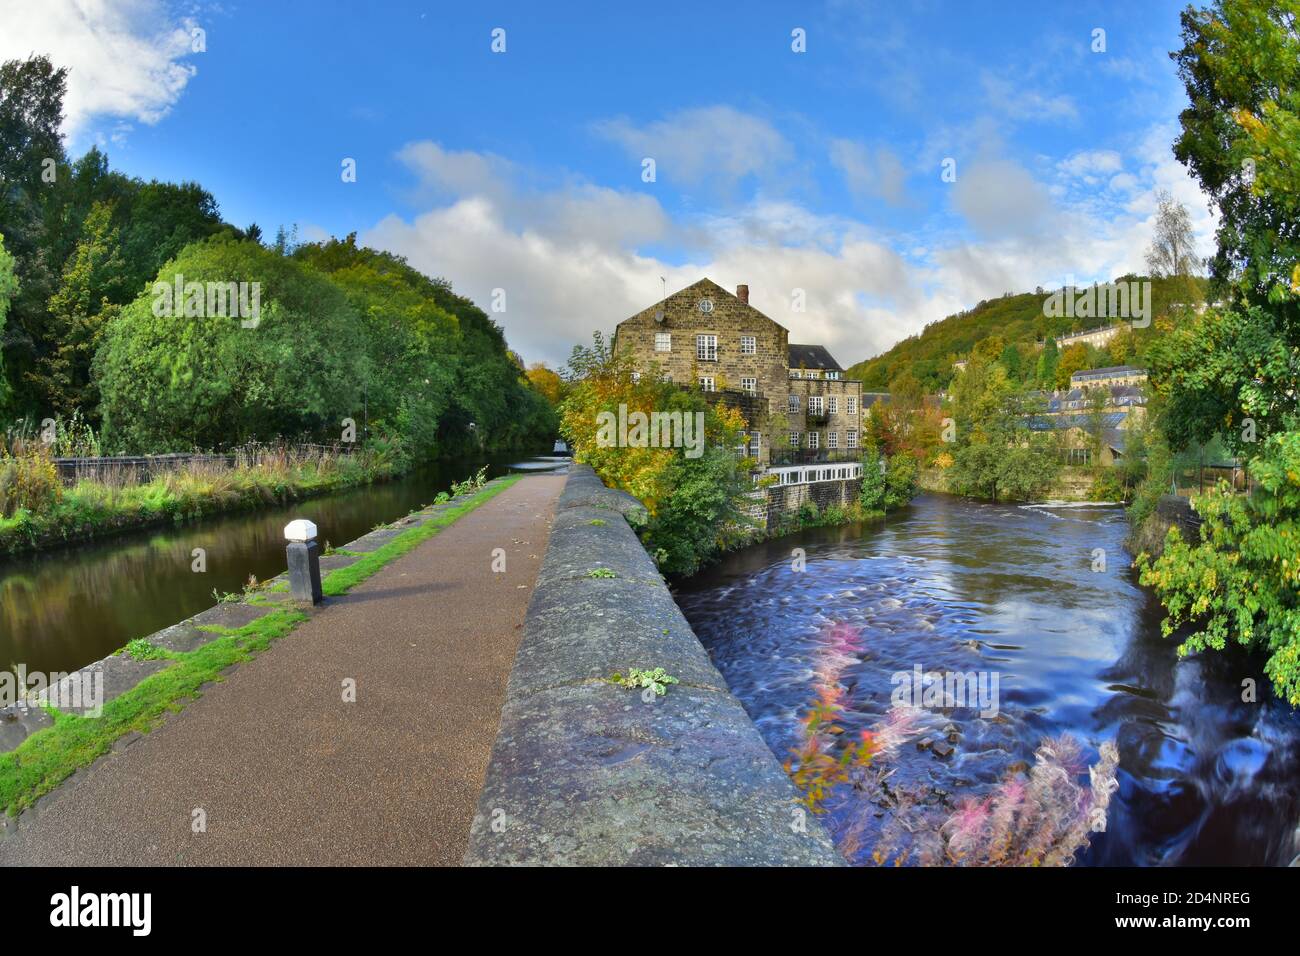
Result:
66,608
952,585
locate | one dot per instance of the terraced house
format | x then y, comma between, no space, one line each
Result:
804,417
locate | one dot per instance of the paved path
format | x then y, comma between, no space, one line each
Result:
285,771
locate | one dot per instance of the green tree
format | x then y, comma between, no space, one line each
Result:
1238,584
8,288
210,381
1232,372
1240,137
1010,359
1045,374
1073,359
999,453
92,283
31,112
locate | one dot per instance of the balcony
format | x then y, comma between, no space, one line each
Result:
813,456
818,419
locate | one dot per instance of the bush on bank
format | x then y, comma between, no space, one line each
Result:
92,509
695,501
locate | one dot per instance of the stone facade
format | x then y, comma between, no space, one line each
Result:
837,427
705,336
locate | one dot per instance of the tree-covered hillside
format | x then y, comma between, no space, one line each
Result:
1011,329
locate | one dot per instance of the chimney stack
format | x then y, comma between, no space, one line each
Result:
742,293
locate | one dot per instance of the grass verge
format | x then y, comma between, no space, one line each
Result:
54,753
92,509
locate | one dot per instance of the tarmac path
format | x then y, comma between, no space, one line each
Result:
283,770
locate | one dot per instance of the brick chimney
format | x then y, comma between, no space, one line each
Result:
742,293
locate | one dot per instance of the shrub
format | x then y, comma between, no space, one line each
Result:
29,481
219,384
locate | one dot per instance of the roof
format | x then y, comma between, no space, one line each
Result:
812,356
685,302
1108,370
1108,420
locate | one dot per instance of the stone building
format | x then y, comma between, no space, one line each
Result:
1098,337
804,417
1111,375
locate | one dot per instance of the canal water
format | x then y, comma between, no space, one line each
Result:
952,585
66,608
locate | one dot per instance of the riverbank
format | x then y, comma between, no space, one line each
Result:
1072,485
163,673
92,510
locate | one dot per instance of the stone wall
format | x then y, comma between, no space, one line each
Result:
787,499
585,772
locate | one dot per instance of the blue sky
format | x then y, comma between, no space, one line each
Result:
522,170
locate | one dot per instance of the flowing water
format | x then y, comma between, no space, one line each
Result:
958,586
63,609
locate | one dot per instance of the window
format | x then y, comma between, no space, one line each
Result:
851,439
812,439
796,373
851,405
794,439
832,439
794,403
832,375
748,345
706,348
706,383
663,341
833,404
636,377
810,373
749,385
814,404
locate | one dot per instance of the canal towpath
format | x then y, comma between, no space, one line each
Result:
279,767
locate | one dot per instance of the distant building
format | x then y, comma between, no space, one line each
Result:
1098,337
1112,375
1092,415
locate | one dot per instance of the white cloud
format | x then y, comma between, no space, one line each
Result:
574,257
1091,165
718,146
123,56
877,174
1000,198
1019,100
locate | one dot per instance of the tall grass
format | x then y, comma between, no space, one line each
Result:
117,500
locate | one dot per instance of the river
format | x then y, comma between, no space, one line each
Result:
65,608
952,585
